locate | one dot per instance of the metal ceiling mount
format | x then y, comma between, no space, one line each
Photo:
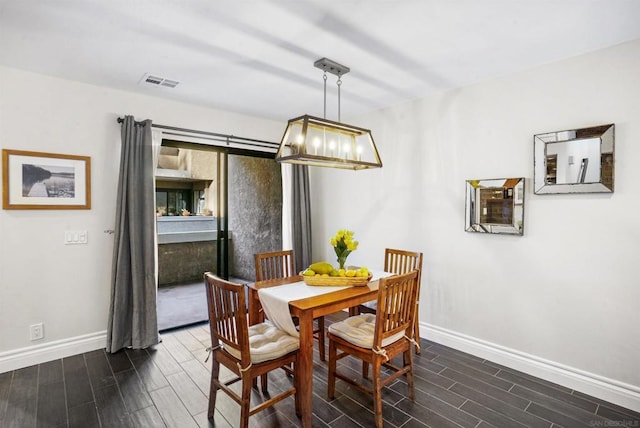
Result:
332,67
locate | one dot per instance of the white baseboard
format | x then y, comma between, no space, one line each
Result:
620,393
25,357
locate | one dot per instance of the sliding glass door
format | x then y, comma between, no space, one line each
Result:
218,203
217,207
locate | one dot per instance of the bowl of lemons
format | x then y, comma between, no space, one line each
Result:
324,273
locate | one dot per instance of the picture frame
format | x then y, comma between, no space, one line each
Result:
495,206
45,181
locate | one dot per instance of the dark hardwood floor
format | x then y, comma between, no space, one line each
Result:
168,386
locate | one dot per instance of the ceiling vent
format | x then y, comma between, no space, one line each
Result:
154,80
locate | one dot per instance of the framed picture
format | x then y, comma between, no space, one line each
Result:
45,181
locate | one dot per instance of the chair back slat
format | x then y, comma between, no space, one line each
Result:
227,314
401,261
396,306
274,265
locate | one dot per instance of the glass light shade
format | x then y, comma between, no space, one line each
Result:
313,141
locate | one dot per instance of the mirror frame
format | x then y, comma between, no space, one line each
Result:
606,135
509,201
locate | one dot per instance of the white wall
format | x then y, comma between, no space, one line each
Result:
560,302
67,286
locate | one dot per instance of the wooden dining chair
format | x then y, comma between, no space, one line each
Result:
281,264
377,339
248,352
399,262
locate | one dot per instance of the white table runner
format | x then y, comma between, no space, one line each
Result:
275,300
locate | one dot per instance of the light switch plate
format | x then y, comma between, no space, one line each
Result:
73,237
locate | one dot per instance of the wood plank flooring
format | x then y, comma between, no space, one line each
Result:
167,386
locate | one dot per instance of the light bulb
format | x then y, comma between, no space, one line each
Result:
346,148
332,146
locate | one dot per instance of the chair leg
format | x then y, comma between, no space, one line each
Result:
365,370
416,336
245,404
321,338
215,372
416,331
377,394
263,383
296,384
407,358
331,378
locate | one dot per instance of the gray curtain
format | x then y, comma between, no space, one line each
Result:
132,312
301,215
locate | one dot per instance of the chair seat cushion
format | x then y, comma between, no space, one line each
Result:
359,330
267,342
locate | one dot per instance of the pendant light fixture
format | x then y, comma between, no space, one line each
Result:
313,141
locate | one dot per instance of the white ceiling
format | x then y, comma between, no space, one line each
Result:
256,56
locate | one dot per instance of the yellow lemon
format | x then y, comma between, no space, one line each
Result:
321,267
308,272
350,273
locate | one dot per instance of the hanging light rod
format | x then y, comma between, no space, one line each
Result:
313,141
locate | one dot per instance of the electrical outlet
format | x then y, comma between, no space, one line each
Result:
36,331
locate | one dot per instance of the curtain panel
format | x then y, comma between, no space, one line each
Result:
301,216
132,313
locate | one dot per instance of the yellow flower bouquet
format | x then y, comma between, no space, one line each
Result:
343,244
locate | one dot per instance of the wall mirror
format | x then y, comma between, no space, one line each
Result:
574,161
495,206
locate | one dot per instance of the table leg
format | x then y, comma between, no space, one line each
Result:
254,306
305,367
253,311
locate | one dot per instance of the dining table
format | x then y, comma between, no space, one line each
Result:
307,302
